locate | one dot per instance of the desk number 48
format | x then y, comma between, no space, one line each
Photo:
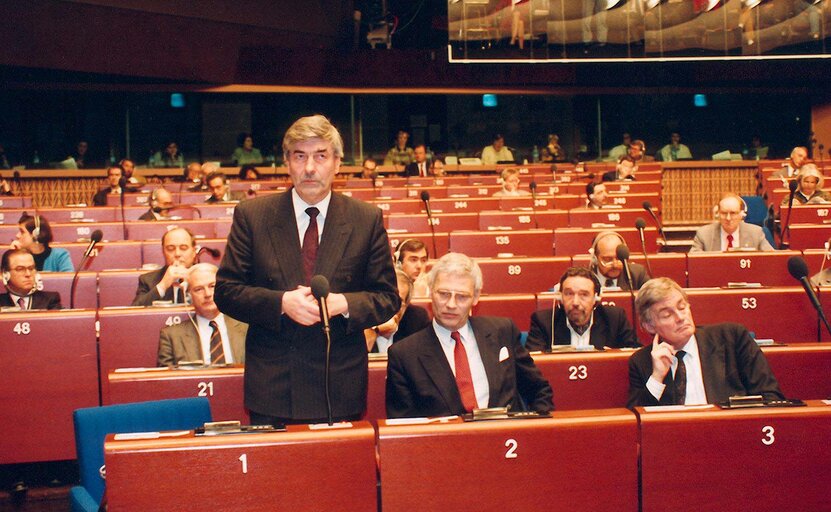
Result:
22,328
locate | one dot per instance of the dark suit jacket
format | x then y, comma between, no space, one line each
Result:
284,372
148,215
639,276
100,197
613,176
39,300
412,169
236,195
611,328
731,364
420,381
146,292
414,319
180,342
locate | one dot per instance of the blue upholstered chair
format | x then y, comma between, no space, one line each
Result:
94,423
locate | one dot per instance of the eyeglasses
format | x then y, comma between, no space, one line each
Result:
607,261
446,295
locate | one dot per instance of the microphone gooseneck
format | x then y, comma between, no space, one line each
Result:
425,198
533,187
640,225
320,291
798,269
622,253
785,236
648,207
96,237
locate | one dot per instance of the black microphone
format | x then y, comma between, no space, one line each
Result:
640,224
798,269
210,250
96,237
622,253
786,229
425,197
533,187
122,184
648,207
320,290
374,178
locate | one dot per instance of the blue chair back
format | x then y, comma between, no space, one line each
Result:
94,423
757,210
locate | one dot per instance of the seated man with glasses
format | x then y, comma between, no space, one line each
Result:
730,231
460,363
608,269
22,282
368,169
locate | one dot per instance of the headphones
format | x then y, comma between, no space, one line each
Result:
36,231
558,298
154,205
743,213
397,254
7,276
590,190
593,250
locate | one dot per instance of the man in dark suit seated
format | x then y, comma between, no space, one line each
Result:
21,280
460,363
114,173
179,248
420,166
408,320
580,321
624,170
608,268
692,365
210,337
220,189
276,244
160,201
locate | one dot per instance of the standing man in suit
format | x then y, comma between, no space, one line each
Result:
210,337
689,365
608,269
730,231
581,321
459,363
276,244
419,166
21,280
179,249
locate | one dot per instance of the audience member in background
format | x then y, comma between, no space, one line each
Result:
196,177
809,190
408,320
756,151
210,336
400,154
411,258
730,231
368,169
637,151
437,167
113,178
689,365
179,249
621,149
81,155
221,191
249,172
608,268
461,363
578,319
128,168
35,234
497,152
596,196
793,165
624,170
419,166
553,151
190,174
160,202
5,188
675,150
246,153
510,184
21,280
169,157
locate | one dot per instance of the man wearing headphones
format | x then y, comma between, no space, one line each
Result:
160,201
608,269
730,231
411,258
35,234
210,336
579,319
179,248
220,190
21,280
408,320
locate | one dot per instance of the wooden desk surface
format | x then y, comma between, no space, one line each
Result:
298,470
574,461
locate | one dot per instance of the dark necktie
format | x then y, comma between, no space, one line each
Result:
464,381
729,241
609,283
21,303
217,353
310,244
680,382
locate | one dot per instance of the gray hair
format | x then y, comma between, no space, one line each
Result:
460,265
654,291
312,127
201,267
811,170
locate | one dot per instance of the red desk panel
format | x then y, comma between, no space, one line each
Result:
521,275
529,243
222,386
613,217
523,465
376,407
571,241
418,222
145,230
464,204
669,264
621,187
442,241
15,202
82,231
131,199
472,190
802,369
151,251
215,211
364,194
82,214
809,236
297,470
398,205
807,214
525,219
50,369
770,268
587,380
517,307
106,255
542,202
118,287
769,459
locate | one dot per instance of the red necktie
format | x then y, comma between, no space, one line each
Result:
729,241
21,303
421,170
217,352
463,379
310,244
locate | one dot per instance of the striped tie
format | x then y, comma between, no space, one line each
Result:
217,353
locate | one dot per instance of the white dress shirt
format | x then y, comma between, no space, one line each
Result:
474,359
580,340
695,379
205,332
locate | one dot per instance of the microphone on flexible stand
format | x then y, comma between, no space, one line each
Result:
122,185
622,253
786,229
374,178
210,250
96,237
648,207
640,224
183,206
798,269
533,187
320,290
425,197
